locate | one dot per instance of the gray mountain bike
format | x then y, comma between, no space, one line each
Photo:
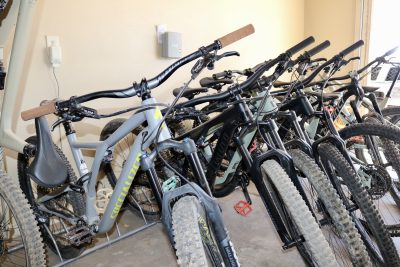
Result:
65,205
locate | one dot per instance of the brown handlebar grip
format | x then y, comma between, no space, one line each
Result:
236,35
46,108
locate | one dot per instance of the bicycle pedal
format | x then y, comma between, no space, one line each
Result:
79,235
243,207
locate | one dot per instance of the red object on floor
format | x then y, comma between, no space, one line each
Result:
243,208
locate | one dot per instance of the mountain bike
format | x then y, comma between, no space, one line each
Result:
372,142
340,170
224,128
65,206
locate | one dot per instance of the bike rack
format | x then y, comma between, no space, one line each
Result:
109,241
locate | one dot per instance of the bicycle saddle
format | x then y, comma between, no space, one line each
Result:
370,89
48,168
326,96
189,92
214,83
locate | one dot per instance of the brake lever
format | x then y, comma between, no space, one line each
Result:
216,57
227,54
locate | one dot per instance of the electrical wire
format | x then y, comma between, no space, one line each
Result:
58,96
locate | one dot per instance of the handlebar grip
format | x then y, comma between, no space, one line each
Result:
318,48
48,107
391,51
350,49
301,45
236,35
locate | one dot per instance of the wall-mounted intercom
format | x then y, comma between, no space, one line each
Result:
171,44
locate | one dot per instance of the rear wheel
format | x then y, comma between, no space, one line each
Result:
314,248
376,154
357,200
20,240
392,113
71,203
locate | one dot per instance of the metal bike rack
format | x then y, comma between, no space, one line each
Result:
109,241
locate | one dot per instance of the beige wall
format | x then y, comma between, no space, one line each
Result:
110,44
336,21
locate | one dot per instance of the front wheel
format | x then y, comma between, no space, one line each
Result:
314,248
338,227
193,235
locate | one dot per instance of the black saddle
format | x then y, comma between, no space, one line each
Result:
370,89
48,168
189,92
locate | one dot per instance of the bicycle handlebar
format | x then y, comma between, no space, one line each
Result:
47,107
337,58
144,84
300,46
236,35
380,59
351,48
318,48
239,88
391,51
308,54
289,52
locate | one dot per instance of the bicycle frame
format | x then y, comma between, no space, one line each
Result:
139,151
229,121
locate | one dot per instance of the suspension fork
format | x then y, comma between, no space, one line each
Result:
269,128
189,149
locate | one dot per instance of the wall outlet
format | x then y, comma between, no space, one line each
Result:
54,50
